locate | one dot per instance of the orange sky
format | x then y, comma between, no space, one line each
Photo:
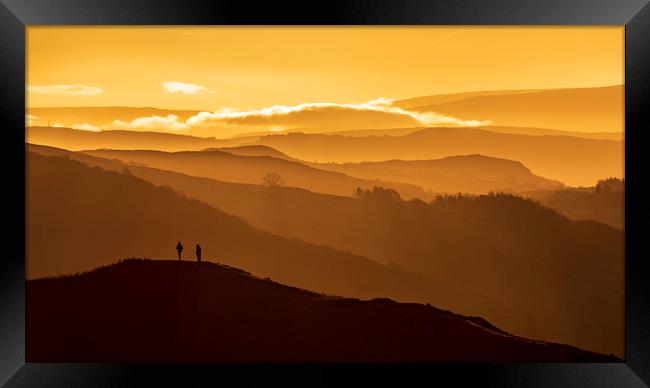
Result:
257,67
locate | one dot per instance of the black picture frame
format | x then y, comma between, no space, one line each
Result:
15,15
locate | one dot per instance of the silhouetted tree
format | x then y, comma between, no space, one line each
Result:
378,193
610,185
272,179
358,192
385,193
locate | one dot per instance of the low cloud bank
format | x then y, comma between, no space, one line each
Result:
377,114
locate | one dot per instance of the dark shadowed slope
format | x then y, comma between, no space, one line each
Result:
164,311
74,139
81,217
229,167
475,174
563,278
571,160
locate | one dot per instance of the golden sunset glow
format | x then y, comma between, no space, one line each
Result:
252,68
456,193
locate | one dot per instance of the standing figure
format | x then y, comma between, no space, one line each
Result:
198,252
179,249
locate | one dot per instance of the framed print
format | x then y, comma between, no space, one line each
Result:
307,193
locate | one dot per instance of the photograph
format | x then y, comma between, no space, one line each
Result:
325,194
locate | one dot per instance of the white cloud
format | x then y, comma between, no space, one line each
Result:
185,88
83,127
74,89
372,114
376,114
87,127
30,119
152,123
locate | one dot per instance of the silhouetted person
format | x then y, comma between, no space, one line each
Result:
198,252
179,249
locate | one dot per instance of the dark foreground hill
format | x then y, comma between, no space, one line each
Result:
153,311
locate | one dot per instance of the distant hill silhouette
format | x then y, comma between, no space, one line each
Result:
599,109
501,129
476,174
576,161
594,109
253,150
571,160
231,167
535,131
357,132
563,278
599,203
165,311
74,139
415,102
